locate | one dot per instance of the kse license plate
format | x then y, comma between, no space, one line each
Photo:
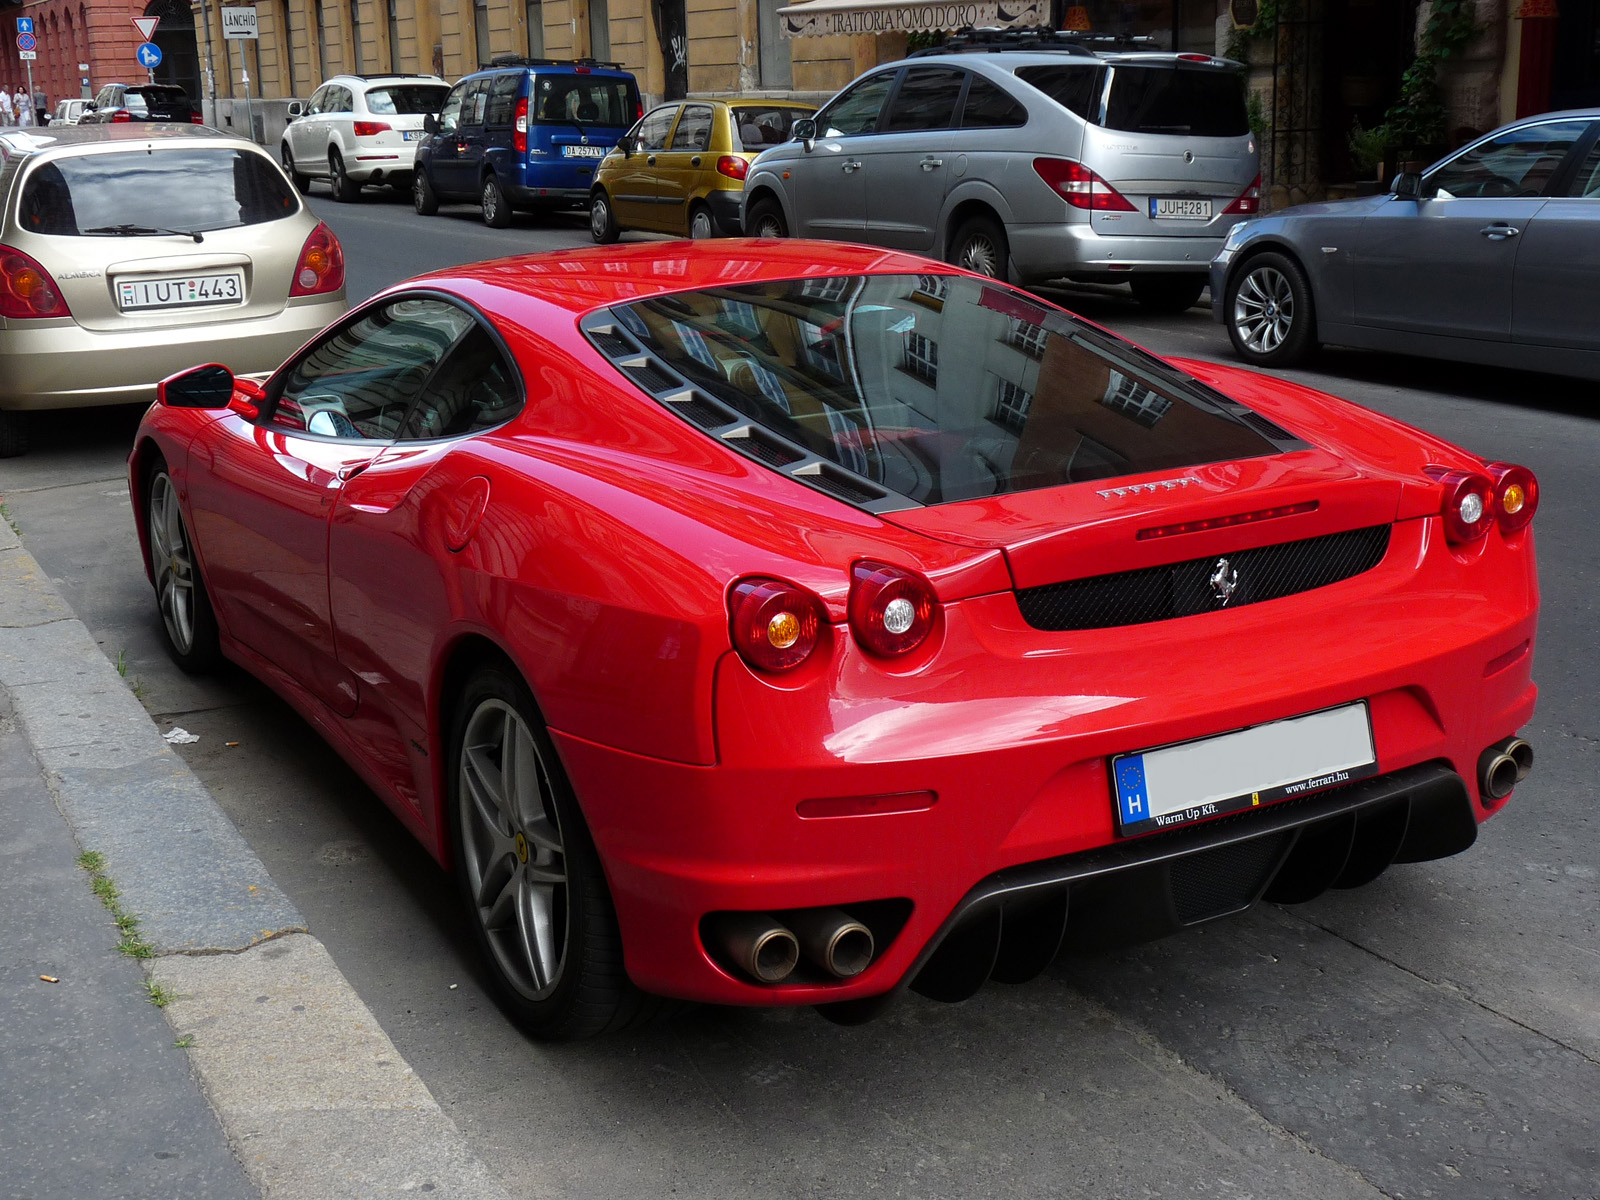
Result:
1180,210
181,291
1174,785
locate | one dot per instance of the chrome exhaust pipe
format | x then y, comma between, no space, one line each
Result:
1497,772
1521,753
833,940
759,943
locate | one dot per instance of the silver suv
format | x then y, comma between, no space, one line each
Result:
1027,162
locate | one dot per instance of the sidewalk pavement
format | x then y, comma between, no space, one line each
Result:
267,1076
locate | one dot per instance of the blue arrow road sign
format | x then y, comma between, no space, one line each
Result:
24,24
149,56
26,41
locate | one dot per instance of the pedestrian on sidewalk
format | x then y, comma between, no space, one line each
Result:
41,105
24,108
7,114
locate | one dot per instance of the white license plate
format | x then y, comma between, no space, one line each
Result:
410,135
583,151
1174,785
181,291
1167,208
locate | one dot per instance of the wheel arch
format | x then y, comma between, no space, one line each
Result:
1269,244
145,454
977,199
766,190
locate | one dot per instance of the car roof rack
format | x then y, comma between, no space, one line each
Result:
518,60
392,75
1031,41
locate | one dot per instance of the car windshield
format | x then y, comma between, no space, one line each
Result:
942,388
584,100
189,189
761,126
412,99
1200,101
155,94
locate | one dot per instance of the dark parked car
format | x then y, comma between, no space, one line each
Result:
119,102
526,133
1488,257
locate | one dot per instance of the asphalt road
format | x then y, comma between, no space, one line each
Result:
1436,1033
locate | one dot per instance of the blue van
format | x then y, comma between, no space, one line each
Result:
524,133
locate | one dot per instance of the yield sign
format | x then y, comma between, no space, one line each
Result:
146,27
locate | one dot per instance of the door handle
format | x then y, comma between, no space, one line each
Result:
695,161
850,165
1499,233
351,470
930,163
650,160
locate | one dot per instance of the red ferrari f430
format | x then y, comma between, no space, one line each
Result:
768,624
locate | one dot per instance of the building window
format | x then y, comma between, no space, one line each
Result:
830,291
355,35
1011,407
535,18
1134,400
930,291
394,36
599,29
777,69
1027,337
480,27
921,358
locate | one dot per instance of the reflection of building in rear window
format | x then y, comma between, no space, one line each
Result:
847,437
1134,400
930,290
829,291
921,357
1011,407
189,189
820,350
740,317
410,100
694,342
1027,337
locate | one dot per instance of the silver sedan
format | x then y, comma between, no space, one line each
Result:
1491,255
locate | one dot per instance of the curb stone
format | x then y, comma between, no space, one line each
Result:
316,1101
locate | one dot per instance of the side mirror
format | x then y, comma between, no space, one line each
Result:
210,386
1407,186
430,123
625,144
297,108
804,130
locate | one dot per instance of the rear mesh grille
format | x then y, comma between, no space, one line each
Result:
1226,879
1185,588
650,377
697,412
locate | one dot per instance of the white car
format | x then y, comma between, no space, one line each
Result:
68,111
359,129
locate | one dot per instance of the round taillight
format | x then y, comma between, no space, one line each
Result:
1469,505
891,608
775,625
1516,495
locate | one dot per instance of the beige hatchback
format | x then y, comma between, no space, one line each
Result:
130,252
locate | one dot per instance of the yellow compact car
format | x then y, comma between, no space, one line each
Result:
681,169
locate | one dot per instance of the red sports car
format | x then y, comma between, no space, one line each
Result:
770,624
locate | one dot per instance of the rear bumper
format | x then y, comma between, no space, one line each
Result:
369,162
1055,250
1010,729
728,208
535,197
59,364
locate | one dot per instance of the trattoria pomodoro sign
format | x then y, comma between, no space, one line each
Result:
825,18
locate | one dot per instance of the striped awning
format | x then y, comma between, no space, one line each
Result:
825,18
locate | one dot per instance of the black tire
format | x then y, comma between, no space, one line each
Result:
345,189
13,433
1274,323
702,225
188,623
1167,293
765,219
423,198
500,854
496,207
603,227
301,181
980,245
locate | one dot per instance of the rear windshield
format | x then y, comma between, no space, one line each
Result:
411,100
1200,101
762,126
584,100
941,387
129,191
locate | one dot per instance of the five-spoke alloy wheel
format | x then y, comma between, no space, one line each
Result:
186,615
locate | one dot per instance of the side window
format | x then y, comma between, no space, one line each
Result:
694,129
1519,162
450,113
503,98
988,107
474,389
360,382
857,110
1586,183
927,99
136,104
338,100
476,103
103,100
653,130
318,98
